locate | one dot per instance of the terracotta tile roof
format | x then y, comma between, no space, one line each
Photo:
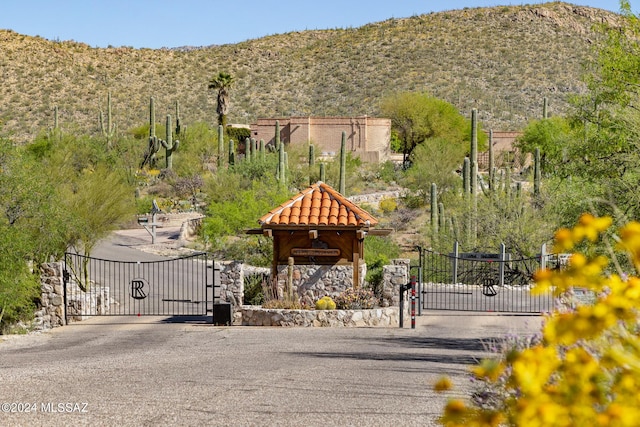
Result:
318,205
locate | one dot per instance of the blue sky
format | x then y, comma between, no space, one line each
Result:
162,23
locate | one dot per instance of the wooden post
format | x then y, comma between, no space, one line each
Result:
356,270
357,244
290,279
274,263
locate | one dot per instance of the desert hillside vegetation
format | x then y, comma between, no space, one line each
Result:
500,60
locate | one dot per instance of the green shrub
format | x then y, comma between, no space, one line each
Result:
253,290
378,251
238,135
388,204
19,290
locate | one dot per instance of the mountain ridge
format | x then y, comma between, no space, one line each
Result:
501,60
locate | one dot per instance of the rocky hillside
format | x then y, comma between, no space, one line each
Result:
501,60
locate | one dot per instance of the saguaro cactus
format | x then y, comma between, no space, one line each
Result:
474,151
55,117
232,154
434,208
247,149
545,105
220,146
254,149
343,162
281,163
312,162
466,175
154,144
169,145
537,173
108,130
492,163
178,124
312,156
323,172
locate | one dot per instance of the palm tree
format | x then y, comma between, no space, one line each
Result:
222,83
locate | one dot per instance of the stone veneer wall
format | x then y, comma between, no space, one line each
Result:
257,316
231,280
51,310
312,282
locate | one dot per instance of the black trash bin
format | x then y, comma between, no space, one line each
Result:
222,314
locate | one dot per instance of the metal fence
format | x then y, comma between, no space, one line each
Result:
482,282
175,287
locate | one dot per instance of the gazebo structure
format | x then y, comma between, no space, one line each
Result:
323,232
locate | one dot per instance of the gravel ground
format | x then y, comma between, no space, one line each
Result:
148,371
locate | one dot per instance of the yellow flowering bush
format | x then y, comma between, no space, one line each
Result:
585,371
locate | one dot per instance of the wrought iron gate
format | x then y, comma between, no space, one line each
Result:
175,287
466,283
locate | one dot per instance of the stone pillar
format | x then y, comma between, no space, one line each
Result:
51,310
393,276
232,283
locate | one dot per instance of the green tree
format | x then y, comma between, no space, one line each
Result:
238,210
94,189
433,161
608,119
33,228
417,117
99,201
222,84
553,136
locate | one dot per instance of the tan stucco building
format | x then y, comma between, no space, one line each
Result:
367,137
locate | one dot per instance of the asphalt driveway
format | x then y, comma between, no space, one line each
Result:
142,371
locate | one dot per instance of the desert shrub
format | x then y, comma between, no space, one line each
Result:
389,172
378,251
253,289
144,204
586,367
19,291
238,134
388,204
282,304
352,299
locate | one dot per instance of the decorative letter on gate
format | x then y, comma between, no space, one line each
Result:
137,289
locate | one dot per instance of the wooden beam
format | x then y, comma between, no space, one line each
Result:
274,261
267,232
313,234
381,231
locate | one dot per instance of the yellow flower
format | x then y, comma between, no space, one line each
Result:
489,368
563,240
586,370
443,384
